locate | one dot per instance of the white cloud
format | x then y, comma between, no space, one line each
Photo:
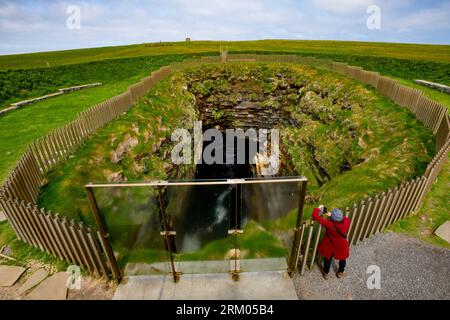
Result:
218,8
343,6
358,7
7,9
425,19
41,25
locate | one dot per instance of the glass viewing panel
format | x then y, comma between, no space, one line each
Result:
201,217
211,226
267,226
132,219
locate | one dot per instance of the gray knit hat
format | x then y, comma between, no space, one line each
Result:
336,215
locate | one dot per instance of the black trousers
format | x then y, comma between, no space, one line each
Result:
327,264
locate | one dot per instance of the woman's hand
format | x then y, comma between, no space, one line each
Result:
322,207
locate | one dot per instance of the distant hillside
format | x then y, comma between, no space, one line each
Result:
436,53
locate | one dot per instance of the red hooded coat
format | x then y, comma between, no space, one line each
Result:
333,243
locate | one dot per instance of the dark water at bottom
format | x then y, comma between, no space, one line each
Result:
206,213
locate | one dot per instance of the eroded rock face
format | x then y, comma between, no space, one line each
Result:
116,177
253,101
123,147
320,135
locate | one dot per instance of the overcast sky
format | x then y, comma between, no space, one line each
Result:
41,25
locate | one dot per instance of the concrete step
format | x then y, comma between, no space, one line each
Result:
206,266
266,285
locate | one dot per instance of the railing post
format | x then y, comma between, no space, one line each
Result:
167,234
297,237
308,243
102,234
315,245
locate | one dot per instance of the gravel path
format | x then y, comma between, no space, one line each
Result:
409,268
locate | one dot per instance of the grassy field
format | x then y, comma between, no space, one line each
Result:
436,53
403,156
22,84
20,127
31,78
16,132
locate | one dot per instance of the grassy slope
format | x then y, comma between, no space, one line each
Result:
65,180
398,123
16,85
432,214
20,127
167,112
438,53
434,210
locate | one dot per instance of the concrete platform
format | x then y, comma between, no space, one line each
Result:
52,288
268,285
37,277
9,275
443,231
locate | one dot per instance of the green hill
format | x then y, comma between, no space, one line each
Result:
436,53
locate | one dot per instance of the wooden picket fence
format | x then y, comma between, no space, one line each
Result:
433,115
210,59
241,57
374,214
52,233
281,58
78,244
286,58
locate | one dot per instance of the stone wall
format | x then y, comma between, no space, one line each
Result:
440,87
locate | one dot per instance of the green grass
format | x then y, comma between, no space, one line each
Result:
433,213
16,132
439,53
17,85
434,210
29,80
20,127
408,69
155,116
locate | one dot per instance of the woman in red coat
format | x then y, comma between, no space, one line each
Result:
334,244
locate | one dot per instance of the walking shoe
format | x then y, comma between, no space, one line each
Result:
324,275
340,274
